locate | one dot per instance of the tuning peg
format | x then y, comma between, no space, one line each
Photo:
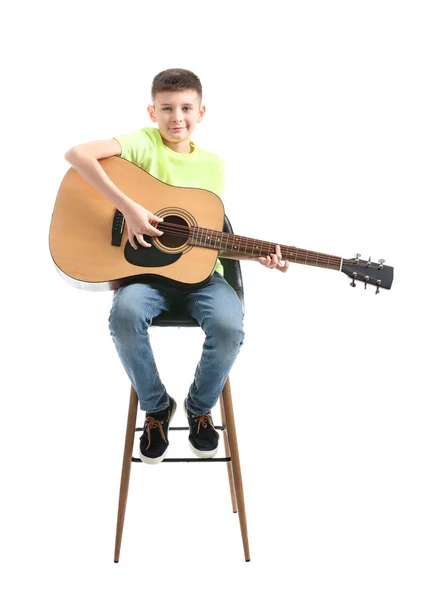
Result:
381,263
377,291
353,283
357,257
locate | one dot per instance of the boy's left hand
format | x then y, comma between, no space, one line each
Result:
273,261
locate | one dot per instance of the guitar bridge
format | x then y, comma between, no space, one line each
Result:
117,228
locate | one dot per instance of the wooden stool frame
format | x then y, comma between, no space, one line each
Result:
232,460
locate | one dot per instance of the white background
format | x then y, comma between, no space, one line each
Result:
316,109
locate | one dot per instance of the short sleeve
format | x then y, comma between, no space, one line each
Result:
136,147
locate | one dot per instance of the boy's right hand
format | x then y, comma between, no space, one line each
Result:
138,221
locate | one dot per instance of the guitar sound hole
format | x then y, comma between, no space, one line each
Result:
179,236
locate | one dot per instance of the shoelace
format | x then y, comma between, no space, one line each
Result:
204,420
154,423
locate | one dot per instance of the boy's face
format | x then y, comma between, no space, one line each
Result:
176,114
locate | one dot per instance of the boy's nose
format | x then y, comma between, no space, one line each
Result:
177,116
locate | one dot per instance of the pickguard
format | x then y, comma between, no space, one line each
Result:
149,257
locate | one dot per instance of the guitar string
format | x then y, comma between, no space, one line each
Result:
300,254
251,245
324,260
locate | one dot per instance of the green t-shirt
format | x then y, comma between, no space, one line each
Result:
199,169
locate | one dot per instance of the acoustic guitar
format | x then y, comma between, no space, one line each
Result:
89,246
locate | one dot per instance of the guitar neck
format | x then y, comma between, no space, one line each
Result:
208,238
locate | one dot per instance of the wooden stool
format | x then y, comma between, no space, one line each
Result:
232,274
232,459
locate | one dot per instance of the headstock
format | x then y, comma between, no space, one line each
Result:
371,273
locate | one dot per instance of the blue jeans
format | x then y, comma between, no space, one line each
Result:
218,311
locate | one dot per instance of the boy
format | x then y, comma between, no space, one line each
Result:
168,153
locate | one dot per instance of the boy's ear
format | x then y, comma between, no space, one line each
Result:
201,113
151,113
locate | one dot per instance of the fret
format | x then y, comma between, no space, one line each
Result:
194,233
288,254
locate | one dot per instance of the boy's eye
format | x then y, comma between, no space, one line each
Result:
186,108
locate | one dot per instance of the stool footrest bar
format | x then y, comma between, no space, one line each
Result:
183,428
226,459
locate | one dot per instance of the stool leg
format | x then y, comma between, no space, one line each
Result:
227,449
237,475
127,463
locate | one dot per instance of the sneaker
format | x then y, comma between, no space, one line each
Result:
154,440
203,437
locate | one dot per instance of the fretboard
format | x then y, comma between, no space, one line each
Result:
208,238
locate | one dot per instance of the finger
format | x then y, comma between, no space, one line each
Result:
130,239
264,261
141,240
283,268
153,231
153,219
275,261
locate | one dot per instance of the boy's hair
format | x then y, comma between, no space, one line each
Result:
176,80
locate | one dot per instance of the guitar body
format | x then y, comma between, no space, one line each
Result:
90,248
82,221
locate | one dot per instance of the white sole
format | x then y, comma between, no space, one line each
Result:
155,461
152,461
203,453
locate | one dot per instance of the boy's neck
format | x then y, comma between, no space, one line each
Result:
183,147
